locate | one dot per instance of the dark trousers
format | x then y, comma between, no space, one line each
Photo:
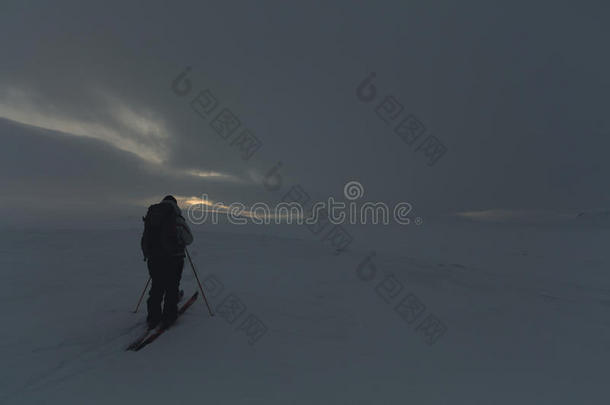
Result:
165,274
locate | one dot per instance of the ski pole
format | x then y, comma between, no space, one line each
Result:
142,296
198,282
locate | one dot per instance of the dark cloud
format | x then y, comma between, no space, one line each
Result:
517,93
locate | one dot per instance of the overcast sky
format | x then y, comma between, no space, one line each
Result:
517,93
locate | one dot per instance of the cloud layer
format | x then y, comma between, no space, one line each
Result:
518,98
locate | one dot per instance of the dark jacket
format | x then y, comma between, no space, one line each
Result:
184,232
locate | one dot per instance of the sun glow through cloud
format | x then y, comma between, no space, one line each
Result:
213,175
211,206
125,129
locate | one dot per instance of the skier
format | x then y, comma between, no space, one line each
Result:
165,236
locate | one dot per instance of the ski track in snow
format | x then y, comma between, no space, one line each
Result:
69,367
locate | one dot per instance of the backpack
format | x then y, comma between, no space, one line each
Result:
160,237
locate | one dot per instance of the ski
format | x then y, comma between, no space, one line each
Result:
139,340
160,331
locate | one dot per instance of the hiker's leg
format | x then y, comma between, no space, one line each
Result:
157,289
172,288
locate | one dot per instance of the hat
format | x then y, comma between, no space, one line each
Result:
170,198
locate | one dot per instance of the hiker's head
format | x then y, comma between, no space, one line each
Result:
170,198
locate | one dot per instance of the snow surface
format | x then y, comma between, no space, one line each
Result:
526,311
